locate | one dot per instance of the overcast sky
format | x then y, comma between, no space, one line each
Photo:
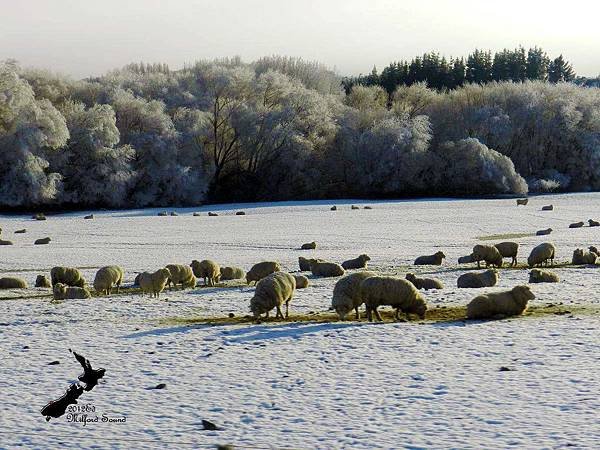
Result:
89,37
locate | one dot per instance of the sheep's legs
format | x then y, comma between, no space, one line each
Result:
357,313
279,313
377,314
287,308
369,314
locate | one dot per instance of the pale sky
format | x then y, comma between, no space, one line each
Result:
89,37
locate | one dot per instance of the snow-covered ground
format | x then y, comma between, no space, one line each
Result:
300,385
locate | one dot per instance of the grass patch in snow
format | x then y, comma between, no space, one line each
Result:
495,237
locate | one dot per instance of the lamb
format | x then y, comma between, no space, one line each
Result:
508,250
304,263
67,275
424,283
466,259
548,208
542,276
309,246
64,292
207,270
3,242
326,269
232,273
543,232
487,278
432,260
42,241
577,225
301,281
347,295
356,263
581,257
522,201
498,305
261,270
13,283
42,281
107,277
542,254
487,253
154,283
593,223
181,274
271,292
392,291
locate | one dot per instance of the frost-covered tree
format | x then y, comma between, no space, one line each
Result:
29,129
95,169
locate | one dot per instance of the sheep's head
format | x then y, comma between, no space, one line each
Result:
523,293
364,258
440,255
342,311
421,308
411,277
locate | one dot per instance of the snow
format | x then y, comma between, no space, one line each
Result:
300,385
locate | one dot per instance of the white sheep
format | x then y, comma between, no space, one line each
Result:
581,257
424,283
393,291
67,275
181,274
207,270
347,295
497,305
107,277
271,292
508,250
261,270
154,283
232,273
42,281
301,281
487,278
357,263
309,246
326,269
542,276
64,292
430,260
487,253
542,254
12,283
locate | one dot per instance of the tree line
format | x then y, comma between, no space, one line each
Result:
282,128
440,73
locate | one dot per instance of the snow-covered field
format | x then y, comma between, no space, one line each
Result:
300,385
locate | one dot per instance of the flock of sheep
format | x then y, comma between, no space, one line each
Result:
274,288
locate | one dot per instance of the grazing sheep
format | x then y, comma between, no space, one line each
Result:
232,273
498,305
430,260
163,214
487,253
542,276
347,294
356,263
393,291
42,241
3,242
261,270
593,223
354,207
67,275
42,281
541,255
64,292
508,250
326,269
207,270
22,231
543,232
522,201
424,283
301,281
154,283
12,283
577,225
107,277
333,208
91,216
212,214
181,274
487,278
240,213
548,208
581,257
304,263
39,216
466,259
271,292
309,246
